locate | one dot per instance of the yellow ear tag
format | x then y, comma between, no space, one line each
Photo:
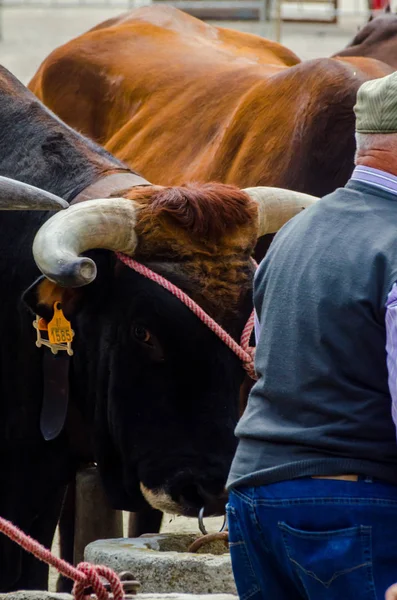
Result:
59,328
59,331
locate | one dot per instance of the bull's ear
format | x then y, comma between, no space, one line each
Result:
41,296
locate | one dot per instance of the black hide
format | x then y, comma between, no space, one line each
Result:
161,413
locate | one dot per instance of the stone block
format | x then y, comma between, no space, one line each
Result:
162,564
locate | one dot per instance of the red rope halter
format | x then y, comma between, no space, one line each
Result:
84,576
244,351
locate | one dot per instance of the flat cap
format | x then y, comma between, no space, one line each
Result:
376,106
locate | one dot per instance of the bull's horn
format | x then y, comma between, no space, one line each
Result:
16,195
276,206
107,224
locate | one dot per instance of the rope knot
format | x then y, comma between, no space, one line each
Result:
249,364
93,574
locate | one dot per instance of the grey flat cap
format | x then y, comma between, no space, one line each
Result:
376,106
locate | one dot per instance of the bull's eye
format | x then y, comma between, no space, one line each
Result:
141,334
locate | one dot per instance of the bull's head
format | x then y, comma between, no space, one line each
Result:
160,388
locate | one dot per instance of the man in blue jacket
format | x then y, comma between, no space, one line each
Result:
313,486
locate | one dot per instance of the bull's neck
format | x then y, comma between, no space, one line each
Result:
38,148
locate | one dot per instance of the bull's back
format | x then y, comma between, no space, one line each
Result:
236,43
113,70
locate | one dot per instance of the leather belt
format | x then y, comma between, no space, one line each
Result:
109,185
55,393
339,477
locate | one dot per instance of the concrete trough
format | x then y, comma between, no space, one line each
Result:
162,563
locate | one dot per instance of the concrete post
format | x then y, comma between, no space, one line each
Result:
95,519
278,19
147,520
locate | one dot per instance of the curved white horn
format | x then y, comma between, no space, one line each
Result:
17,195
276,206
108,224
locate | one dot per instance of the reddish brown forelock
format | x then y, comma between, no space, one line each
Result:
204,233
207,210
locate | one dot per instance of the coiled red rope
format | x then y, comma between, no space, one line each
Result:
84,575
244,351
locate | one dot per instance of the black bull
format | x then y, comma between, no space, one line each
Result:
164,423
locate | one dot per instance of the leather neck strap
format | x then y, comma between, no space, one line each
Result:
109,185
56,367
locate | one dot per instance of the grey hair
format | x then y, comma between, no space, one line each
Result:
372,141
361,144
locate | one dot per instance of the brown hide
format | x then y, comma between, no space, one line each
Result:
206,233
180,101
377,39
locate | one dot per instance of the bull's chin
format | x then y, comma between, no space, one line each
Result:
162,501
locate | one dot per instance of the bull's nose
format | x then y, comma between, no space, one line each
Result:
216,507
194,494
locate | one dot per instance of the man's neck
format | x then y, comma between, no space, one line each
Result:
383,160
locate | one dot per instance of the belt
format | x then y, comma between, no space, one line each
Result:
340,477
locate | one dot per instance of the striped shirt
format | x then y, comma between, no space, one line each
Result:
388,182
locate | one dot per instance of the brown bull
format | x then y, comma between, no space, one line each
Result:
377,39
181,100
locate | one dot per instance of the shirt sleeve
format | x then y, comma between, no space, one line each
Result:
391,348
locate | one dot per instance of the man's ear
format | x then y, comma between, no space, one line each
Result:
41,296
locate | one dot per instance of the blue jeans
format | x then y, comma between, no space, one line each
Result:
314,539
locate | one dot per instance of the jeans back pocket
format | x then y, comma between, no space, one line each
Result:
332,564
